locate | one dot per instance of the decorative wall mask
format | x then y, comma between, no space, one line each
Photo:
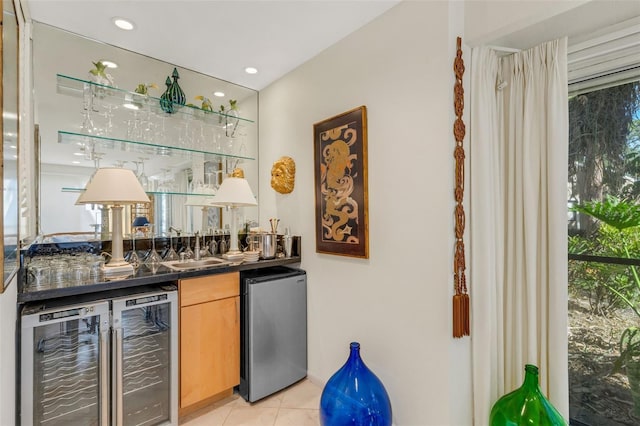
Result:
283,174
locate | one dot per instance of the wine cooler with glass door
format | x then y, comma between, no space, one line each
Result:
111,361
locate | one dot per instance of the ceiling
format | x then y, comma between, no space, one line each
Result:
219,38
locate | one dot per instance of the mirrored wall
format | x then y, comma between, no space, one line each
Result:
9,129
88,117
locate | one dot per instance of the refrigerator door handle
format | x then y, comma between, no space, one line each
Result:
104,377
119,386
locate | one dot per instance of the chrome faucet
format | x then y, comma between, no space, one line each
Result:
178,231
196,249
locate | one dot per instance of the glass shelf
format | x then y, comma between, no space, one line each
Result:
119,97
79,190
146,148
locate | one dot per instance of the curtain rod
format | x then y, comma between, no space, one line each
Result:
504,49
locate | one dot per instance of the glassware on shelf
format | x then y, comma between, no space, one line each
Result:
167,181
184,135
108,128
188,253
59,272
78,272
142,177
213,246
135,127
96,157
232,119
217,136
223,244
199,140
146,149
107,93
212,179
96,263
39,274
204,248
153,258
88,126
133,257
229,146
148,125
171,253
88,108
196,186
160,128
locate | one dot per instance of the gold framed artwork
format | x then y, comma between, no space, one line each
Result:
340,170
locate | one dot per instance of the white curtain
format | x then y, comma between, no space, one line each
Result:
518,222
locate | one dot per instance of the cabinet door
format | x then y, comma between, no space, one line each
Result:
208,288
210,349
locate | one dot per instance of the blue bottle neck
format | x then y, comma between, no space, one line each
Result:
354,354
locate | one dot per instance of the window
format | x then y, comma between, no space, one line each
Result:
604,255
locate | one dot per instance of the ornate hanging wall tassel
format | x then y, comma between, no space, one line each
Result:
461,297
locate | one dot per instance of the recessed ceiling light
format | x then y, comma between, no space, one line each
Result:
79,154
123,24
75,162
109,64
251,70
219,94
131,106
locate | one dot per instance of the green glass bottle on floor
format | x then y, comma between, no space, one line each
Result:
526,405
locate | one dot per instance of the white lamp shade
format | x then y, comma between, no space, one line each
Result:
113,185
235,192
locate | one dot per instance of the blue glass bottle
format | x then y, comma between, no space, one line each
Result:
355,396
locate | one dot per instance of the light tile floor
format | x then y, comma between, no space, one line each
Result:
296,405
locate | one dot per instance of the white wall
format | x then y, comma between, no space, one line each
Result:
396,303
58,211
8,369
486,21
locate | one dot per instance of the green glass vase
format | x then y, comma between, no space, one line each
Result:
165,98
525,405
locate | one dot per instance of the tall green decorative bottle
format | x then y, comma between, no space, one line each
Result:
526,406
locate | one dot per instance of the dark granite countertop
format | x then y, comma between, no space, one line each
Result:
145,276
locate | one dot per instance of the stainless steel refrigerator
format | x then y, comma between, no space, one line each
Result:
273,333
104,362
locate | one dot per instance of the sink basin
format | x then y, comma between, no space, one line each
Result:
196,264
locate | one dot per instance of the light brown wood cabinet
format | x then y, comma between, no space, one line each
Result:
209,337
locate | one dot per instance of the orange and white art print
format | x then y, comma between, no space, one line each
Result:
340,162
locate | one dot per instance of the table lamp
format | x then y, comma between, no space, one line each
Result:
234,192
114,187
